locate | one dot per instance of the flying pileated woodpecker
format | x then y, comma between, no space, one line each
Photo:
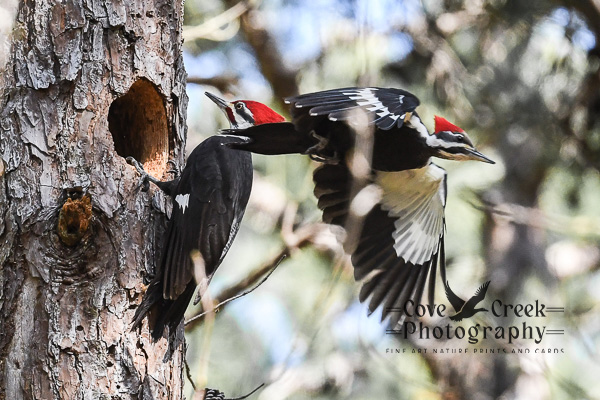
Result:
209,200
402,235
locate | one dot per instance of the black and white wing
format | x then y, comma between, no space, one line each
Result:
402,237
385,107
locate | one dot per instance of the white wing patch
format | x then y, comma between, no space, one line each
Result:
383,107
182,200
415,199
366,97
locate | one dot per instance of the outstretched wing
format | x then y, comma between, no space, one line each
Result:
402,237
415,199
385,107
457,302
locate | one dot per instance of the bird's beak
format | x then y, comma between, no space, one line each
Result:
218,101
477,156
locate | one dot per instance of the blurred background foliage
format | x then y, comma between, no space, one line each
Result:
523,78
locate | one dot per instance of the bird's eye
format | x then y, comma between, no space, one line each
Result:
239,106
459,137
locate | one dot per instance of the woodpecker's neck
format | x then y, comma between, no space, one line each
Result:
405,149
431,141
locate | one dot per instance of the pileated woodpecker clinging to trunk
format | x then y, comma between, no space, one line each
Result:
401,238
209,200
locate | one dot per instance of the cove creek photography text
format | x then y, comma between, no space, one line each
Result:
533,329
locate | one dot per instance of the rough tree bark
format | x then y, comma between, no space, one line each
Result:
88,83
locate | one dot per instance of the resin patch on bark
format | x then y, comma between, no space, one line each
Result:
74,220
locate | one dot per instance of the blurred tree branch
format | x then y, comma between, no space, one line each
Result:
293,241
218,28
223,83
244,15
236,291
271,63
534,217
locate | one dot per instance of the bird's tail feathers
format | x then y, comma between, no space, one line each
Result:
168,312
152,296
171,312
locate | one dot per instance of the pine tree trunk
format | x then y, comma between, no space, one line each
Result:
88,82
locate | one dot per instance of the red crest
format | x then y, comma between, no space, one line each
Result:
441,124
261,113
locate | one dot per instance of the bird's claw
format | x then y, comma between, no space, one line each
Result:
174,170
137,165
144,181
333,160
321,145
316,152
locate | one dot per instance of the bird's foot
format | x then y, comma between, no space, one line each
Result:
145,177
138,167
321,145
174,168
334,160
317,151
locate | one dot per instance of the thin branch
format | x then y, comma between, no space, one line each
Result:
218,28
299,239
534,217
249,394
188,373
200,276
217,308
225,84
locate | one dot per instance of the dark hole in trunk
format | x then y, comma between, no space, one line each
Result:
138,124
